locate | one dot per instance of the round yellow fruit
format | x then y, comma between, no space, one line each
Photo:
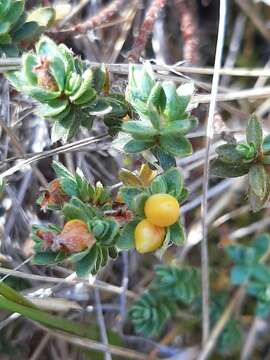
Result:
162,209
148,237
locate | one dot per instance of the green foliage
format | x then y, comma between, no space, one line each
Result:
250,158
68,90
170,182
163,117
230,339
171,288
18,29
75,185
250,270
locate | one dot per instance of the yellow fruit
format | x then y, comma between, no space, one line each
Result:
162,209
148,237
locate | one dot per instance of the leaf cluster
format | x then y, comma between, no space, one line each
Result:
250,157
70,92
250,271
86,203
19,29
171,288
163,116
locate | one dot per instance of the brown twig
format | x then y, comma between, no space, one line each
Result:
145,30
189,30
104,16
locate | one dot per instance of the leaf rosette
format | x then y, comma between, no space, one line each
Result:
247,158
164,119
67,88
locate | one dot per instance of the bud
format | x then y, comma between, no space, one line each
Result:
45,79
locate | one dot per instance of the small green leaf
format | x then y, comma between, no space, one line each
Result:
138,203
258,180
176,145
165,160
175,182
44,16
60,170
126,240
159,185
240,274
266,144
136,146
225,170
228,153
128,194
69,186
139,130
179,127
85,266
254,133
177,234
49,257
154,116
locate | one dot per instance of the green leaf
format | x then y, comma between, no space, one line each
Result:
15,11
69,186
157,98
49,257
175,182
228,153
225,170
165,160
261,245
129,193
66,128
254,133
177,234
136,146
86,85
179,127
26,32
176,145
53,108
242,255
126,240
154,116
60,170
87,97
138,203
40,94
266,144
87,263
16,79
263,309
10,294
240,274
258,180
29,61
44,16
174,109
4,28
139,130
100,108
158,185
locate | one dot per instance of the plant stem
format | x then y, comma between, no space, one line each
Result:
204,207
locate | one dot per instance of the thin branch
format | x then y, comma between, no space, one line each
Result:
146,29
76,145
204,207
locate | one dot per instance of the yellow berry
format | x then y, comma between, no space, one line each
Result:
148,237
162,209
